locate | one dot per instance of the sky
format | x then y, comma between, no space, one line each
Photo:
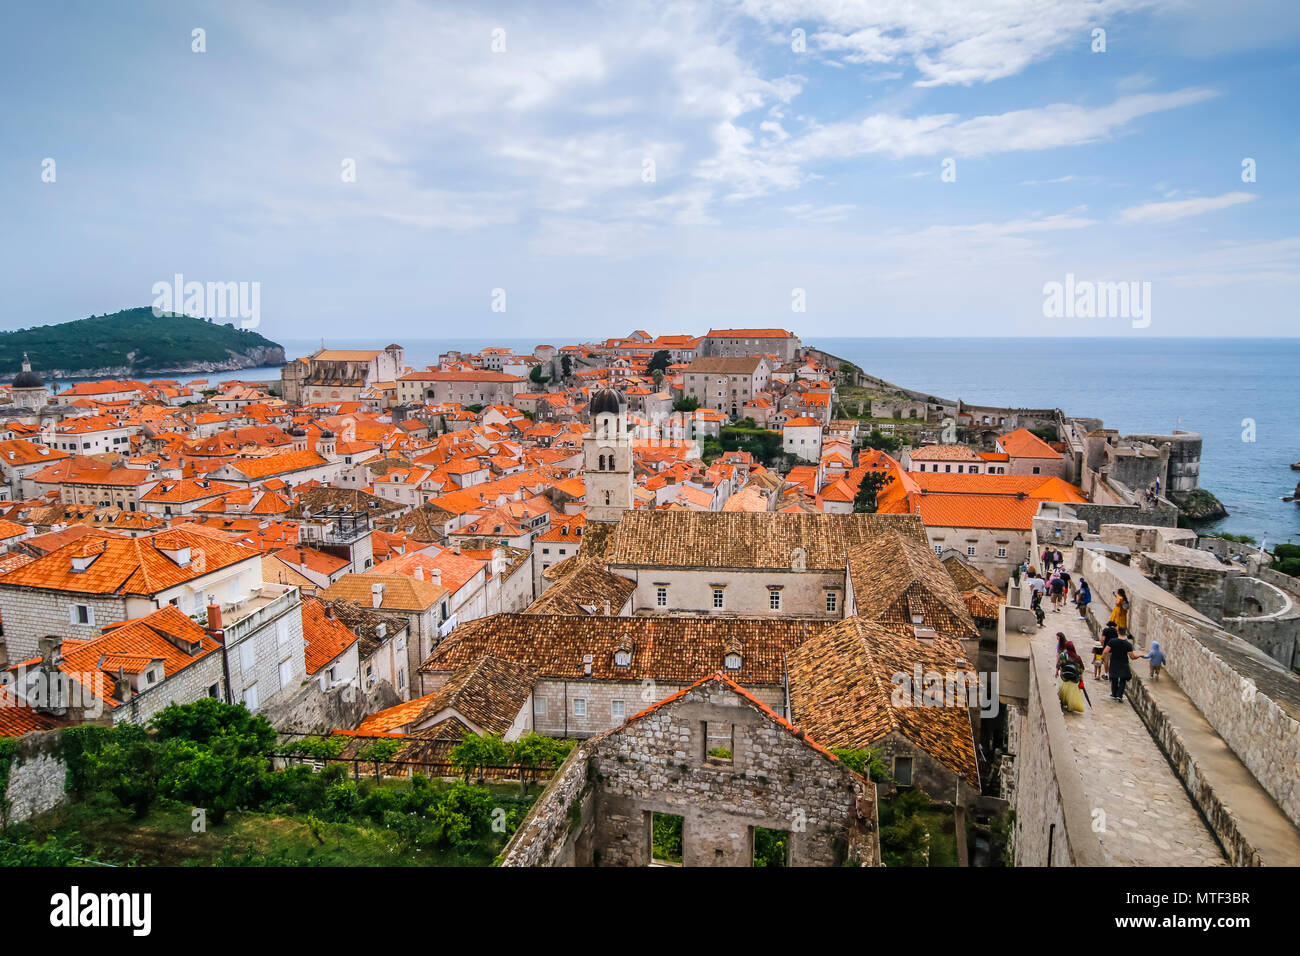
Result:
885,168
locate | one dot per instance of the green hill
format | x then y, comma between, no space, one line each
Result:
135,341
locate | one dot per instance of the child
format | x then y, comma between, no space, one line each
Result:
1082,598
1157,659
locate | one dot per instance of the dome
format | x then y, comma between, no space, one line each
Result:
606,400
27,378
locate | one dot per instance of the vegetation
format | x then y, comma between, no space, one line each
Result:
689,404
1046,433
1286,558
666,838
882,442
133,337
866,500
1236,538
763,443
535,751
865,762
913,832
196,786
659,362
536,376
566,367
771,847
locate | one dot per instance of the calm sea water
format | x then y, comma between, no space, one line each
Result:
1216,387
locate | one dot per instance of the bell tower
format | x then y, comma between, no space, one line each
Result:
607,459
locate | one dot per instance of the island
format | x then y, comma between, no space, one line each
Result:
136,342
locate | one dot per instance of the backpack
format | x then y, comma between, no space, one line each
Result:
1070,670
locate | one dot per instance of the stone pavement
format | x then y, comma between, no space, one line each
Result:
1148,818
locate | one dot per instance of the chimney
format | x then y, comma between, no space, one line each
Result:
381,631
419,573
376,594
215,631
329,611
607,609
50,648
121,685
435,575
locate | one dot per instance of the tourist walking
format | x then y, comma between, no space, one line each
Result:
1058,592
1156,658
1082,598
1069,668
1119,614
1121,652
1108,634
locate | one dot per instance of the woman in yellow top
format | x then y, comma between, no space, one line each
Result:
1119,616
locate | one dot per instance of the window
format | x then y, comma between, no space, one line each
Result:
246,656
617,709
832,602
717,598
938,549
622,658
282,634
771,847
719,742
774,599
214,691
579,707
732,662
251,700
970,550
1035,469
1002,552
286,673
539,706
665,839
546,550
81,614
661,596
903,771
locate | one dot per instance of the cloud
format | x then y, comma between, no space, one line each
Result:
1038,128
947,43
1158,212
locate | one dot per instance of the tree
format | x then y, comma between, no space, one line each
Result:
536,376
218,780
213,723
686,404
127,767
660,361
477,752
882,442
865,501
566,366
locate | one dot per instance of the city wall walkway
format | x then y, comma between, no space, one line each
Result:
1140,810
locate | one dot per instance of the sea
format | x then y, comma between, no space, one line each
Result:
1241,395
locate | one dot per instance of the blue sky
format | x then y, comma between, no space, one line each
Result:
774,169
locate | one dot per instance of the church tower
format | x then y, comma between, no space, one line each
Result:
28,389
607,458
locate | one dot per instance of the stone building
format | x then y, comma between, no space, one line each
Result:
750,564
719,768
474,387
594,671
726,382
740,342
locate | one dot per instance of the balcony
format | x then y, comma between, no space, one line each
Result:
254,612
